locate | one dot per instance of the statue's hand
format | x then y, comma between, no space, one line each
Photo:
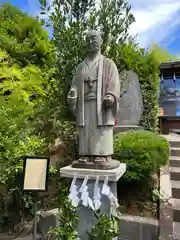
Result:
71,98
108,100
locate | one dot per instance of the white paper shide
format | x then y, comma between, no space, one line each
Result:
82,194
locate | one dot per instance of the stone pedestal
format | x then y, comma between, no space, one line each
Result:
87,218
100,165
123,128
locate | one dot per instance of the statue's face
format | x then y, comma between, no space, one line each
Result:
93,41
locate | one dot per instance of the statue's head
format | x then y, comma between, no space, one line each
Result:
93,41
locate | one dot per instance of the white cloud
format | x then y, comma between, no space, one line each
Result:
154,19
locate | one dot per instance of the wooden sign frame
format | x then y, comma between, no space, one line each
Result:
35,174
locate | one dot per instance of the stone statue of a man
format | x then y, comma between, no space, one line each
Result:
94,98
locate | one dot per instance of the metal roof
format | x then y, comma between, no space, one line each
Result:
168,65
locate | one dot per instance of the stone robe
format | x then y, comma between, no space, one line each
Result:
92,81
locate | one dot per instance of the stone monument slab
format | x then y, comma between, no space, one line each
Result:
131,104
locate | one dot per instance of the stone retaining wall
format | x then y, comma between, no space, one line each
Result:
131,227
138,228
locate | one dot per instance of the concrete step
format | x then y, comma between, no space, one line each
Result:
175,185
174,161
174,143
175,152
173,139
176,209
176,230
175,173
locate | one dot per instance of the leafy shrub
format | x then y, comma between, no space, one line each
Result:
68,219
143,152
18,137
106,227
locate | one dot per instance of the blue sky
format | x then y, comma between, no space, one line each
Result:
156,21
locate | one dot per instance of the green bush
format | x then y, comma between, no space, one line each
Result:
143,152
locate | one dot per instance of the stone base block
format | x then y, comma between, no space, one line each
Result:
47,221
87,216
